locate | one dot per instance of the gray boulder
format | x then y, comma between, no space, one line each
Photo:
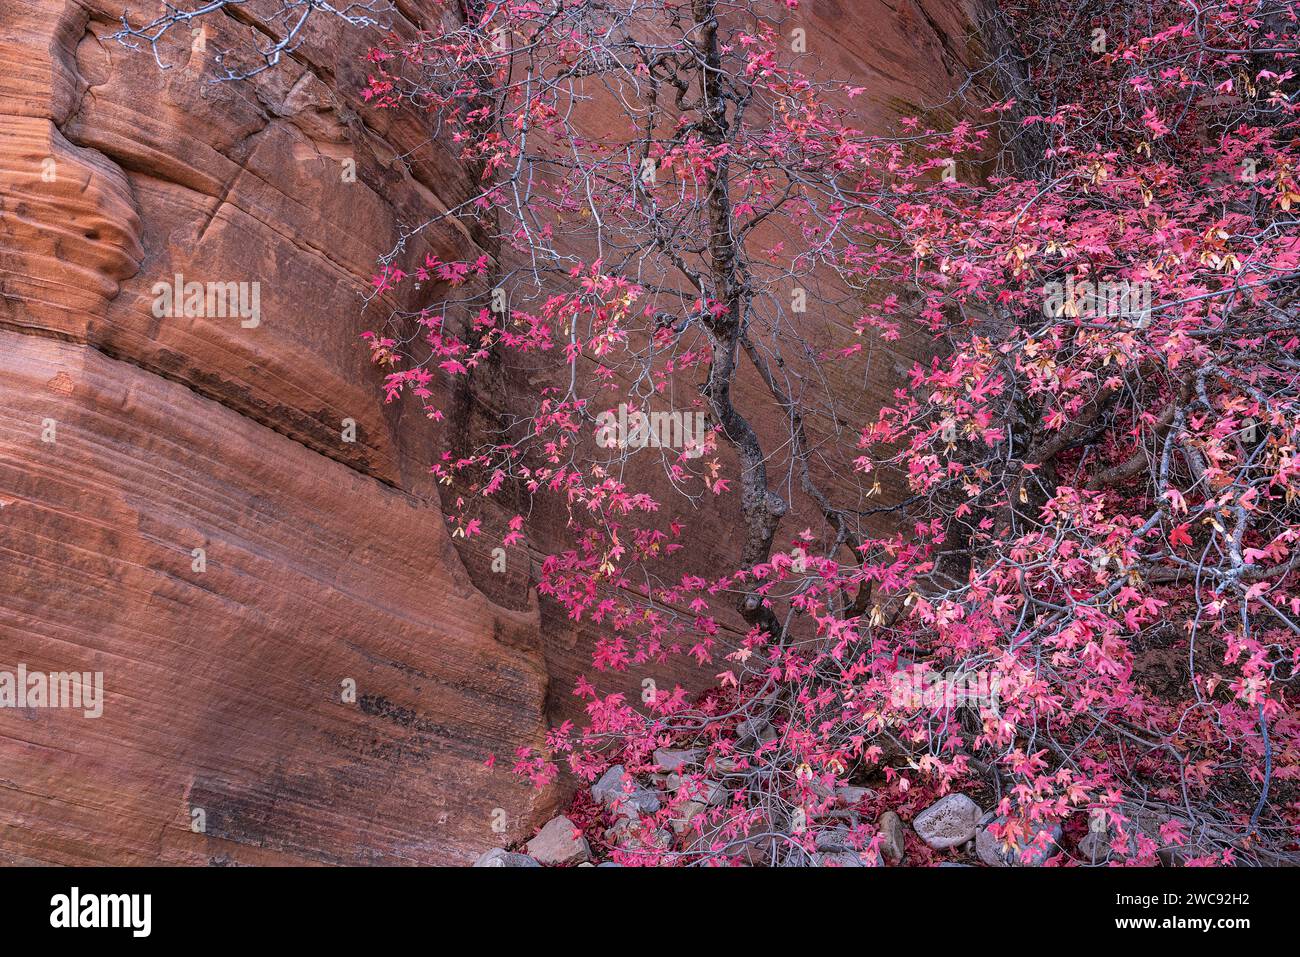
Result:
891,826
500,857
1022,853
844,859
669,760
832,839
629,797
948,822
556,844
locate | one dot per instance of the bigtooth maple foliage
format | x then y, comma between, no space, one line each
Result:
1083,607
1100,460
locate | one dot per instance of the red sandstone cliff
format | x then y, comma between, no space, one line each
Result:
326,560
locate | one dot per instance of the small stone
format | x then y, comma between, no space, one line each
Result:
839,859
891,826
500,857
948,822
988,849
1024,853
608,864
556,843
586,864
685,815
628,835
608,783
1094,847
754,732
670,760
850,796
630,799
832,839
710,792
755,851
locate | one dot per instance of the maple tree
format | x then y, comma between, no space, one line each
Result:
1086,494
